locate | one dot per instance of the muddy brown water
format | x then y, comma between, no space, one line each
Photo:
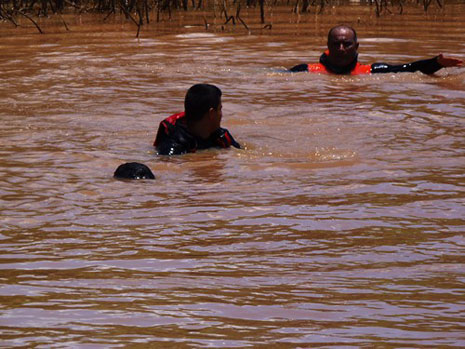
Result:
339,224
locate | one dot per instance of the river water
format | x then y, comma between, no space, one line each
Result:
339,224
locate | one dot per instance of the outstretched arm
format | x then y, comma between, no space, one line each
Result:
447,62
426,66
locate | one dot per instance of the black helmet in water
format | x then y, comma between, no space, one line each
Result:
133,170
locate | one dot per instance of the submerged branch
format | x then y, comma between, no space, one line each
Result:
244,24
34,22
64,23
262,11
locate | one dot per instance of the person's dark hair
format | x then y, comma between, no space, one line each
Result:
133,170
339,27
199,99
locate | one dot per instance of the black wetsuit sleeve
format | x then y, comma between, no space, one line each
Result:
223,138
299,68
170,147
426,66
228,137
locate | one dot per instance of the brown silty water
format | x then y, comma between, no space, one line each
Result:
339,224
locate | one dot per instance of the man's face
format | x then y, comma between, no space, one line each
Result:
342,47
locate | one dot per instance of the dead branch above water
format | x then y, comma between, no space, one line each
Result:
29,18
141,12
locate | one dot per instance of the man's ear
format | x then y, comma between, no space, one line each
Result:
211,113
356,45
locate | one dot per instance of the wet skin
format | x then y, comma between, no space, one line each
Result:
342,47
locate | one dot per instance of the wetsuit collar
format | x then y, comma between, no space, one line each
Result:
337,70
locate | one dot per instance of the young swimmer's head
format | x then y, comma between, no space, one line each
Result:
203,109
200,98
133,170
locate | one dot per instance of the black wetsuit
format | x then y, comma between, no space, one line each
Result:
173,138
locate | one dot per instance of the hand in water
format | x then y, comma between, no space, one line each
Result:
449,62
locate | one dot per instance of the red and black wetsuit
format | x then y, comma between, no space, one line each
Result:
426,66
174,138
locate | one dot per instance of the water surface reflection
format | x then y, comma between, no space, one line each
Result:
339,224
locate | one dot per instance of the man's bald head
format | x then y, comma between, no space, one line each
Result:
336,29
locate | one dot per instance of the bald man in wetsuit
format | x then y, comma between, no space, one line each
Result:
342,58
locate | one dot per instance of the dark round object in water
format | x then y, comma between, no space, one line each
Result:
133,170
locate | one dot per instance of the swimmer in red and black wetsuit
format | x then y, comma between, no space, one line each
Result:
342,58
198,127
